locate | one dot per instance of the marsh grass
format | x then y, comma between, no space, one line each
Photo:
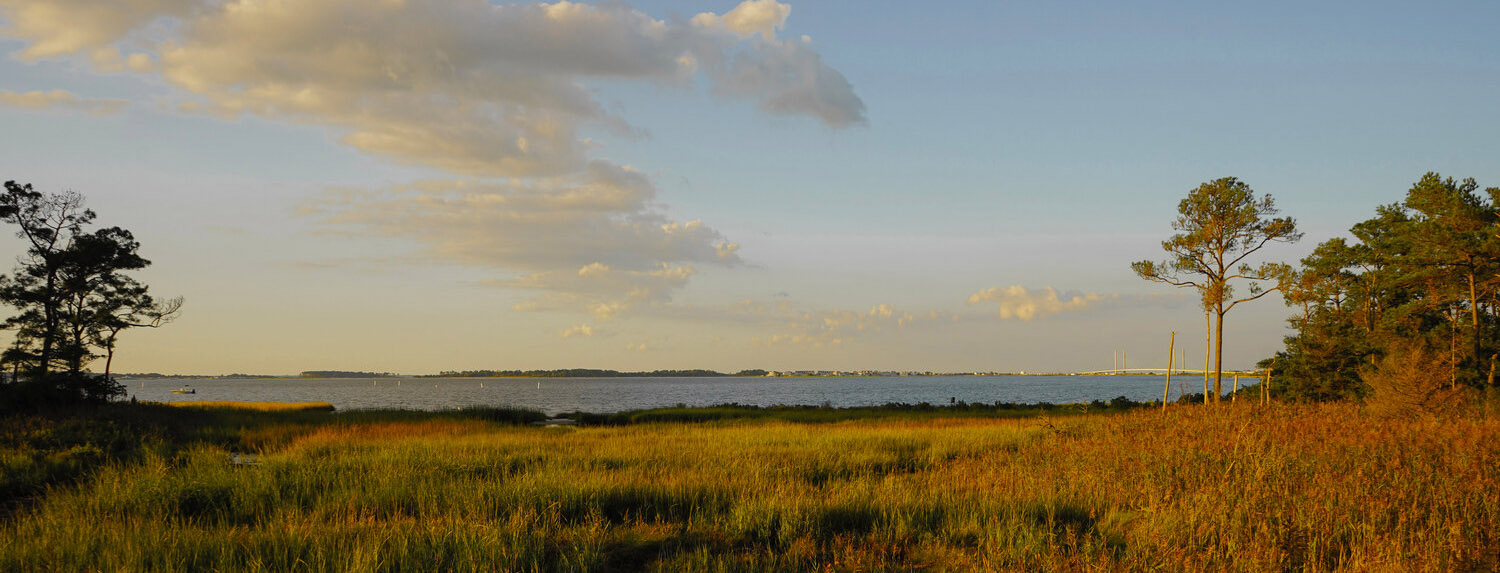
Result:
824,414
1254,489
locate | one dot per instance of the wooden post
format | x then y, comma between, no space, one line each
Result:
1171,352
1208,348
1182,359
1236,394
1267,383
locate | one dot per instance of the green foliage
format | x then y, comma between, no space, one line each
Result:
1220,225
1418,284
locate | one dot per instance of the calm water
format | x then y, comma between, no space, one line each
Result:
553,395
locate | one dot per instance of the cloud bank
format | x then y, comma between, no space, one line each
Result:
460,85
497,96
594,241
60,99
830,328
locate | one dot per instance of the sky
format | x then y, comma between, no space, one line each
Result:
415,186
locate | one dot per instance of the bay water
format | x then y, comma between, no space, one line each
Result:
605,395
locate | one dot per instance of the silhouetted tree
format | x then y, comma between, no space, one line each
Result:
48,224
70,293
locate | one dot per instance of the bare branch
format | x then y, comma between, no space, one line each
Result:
1248,299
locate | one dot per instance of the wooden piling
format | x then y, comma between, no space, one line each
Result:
1208,348
1171,346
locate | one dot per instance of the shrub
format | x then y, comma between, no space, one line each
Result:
1414,377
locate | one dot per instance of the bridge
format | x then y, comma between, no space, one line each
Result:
1162,371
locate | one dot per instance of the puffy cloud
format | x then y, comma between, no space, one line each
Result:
784,323
461,85
595,241
827,328
789,78
61,100
603,216
1019,302
603,291
763,17
581,330
502,93
109,59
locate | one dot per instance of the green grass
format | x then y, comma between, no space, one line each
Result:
1254,489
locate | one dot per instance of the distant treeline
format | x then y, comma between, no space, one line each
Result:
159,375
589,373
344,374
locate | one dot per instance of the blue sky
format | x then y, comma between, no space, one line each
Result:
992,145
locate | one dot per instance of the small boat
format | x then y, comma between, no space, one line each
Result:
185,390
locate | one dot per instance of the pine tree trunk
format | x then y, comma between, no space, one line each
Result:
1452,352
75,364
1219,353
49,315
1491,380
1474,321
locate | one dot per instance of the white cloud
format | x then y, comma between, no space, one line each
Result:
498,93
603,292
581,330
595,241
789,78
460,85
1021,303
762,17
59,99
604,215
790,324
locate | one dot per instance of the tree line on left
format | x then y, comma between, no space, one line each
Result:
72,298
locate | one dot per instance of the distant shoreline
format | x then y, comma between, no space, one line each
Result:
577,373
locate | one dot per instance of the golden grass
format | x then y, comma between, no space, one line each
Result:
1306,488
258,406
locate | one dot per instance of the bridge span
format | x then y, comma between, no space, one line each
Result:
1163,371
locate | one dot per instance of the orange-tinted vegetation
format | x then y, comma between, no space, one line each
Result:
1329,487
